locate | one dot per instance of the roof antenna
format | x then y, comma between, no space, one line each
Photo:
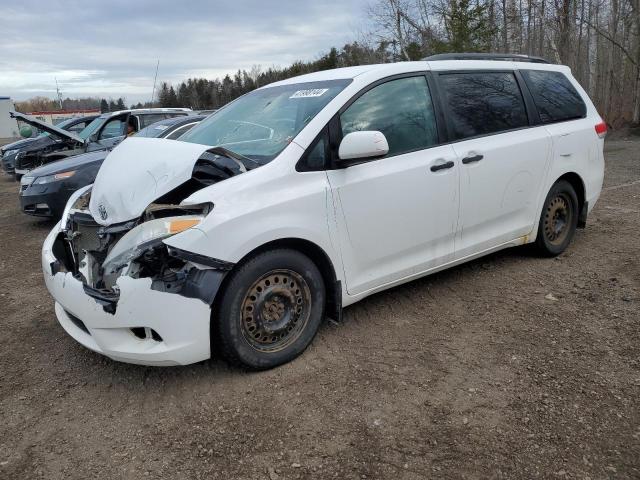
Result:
59,94
153,92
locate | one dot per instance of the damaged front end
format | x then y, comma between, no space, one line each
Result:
119,289
98,255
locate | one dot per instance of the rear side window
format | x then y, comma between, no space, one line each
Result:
146,120
401,109
483,103
555,97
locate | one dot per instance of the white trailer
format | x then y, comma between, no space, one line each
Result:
8,126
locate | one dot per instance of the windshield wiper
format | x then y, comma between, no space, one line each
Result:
225,152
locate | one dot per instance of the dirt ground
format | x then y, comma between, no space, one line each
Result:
475,372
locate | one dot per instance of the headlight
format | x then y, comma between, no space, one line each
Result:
26,180
79,200
54,178
145,236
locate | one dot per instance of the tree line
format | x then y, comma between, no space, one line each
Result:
202,93
40,104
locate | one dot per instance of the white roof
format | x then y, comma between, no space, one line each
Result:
384,69
333,74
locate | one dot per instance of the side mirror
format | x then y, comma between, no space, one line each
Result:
362,145
94,137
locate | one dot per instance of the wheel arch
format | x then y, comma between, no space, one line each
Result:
578,185
333,286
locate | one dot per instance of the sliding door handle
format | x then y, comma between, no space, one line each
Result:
442,166
475,158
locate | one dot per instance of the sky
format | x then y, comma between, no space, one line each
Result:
109,48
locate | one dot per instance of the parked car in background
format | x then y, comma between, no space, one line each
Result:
106,131
8,152
312,193
45,190
171,128
206,112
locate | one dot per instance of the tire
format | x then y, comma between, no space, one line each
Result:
558,220
270,310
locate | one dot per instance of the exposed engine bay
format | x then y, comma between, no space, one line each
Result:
97,255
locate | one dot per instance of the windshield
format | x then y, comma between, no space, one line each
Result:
260,124
92,127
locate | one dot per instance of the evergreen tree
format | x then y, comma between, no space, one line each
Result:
172,98
468,27
163,95
104,106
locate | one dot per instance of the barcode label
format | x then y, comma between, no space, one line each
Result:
312,92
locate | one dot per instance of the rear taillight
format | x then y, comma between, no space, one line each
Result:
601,129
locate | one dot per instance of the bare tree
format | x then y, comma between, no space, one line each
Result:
598,39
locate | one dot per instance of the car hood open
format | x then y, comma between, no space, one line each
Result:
54,131
137,172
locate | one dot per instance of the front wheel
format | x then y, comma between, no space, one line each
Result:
559,219
270,310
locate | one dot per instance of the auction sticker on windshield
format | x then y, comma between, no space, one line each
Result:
312,92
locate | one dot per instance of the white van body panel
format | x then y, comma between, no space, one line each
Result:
380,223
499,195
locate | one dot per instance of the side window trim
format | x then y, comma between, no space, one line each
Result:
444,134
530,105
449,122
302,165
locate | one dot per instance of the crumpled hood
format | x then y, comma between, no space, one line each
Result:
136,173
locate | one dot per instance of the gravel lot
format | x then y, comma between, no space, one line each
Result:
476,372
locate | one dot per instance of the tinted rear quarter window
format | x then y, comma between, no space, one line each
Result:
481,103
555,97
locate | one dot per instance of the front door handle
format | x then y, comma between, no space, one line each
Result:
442,166
475,158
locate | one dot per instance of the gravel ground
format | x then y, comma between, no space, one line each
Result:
511,366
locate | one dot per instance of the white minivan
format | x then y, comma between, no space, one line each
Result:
309,194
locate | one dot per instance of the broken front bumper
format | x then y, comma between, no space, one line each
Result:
148,327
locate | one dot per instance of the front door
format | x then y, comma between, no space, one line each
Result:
397,215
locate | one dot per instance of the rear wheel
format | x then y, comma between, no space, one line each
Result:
559,219
270,309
